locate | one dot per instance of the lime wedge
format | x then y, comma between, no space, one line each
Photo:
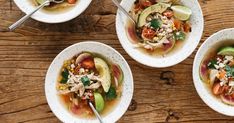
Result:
228,51
181,12
99,102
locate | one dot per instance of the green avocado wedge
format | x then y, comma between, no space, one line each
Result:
99,102
229,51
40,1
159,7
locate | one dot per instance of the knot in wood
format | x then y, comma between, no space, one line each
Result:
133,105
167,76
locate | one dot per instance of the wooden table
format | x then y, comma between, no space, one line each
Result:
26,54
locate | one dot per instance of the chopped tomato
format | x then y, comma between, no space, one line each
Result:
218,89
148,33
89,64
222,74
187,27
168,13
71,1
177,24
146,3
138,7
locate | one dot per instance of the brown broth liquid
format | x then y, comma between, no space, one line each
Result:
85,111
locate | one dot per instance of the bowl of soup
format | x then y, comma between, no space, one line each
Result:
89,72
213,72
54,13
166,31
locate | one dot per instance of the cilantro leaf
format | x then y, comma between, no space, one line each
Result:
111,94
64,74
85,80
155,23
212,64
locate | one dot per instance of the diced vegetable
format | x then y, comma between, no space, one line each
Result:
111,94
217,89
64,74
99,102
213,74
148,33
71,1
85,80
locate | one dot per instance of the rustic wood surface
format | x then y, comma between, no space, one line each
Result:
26,54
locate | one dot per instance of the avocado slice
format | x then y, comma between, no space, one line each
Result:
40,1
159,7
99,102
229,51
104,73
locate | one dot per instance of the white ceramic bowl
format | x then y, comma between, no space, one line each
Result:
26,6
201,87
170,60
51,78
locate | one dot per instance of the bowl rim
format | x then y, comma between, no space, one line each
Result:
147,63
61,20
202,91
131,82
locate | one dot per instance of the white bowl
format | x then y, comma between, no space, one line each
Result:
201,87
51,78
26,6
170,60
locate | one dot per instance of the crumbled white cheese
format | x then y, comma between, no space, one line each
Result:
231,83
229,58
73,66
82,70
216,66
221,65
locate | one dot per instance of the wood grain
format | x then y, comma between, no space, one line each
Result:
26,54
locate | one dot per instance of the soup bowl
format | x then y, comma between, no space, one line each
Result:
27,6
212,44
52,95
173,57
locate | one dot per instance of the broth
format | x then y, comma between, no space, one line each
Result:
81,109
205,72
149,47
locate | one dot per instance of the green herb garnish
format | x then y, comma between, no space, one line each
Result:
111,94
229,70
179,36
64,74
85,80
212,64
155,23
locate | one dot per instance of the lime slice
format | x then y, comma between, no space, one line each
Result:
99,102
181,12
228,51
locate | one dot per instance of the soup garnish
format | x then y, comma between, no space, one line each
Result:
88,76
218,72
160,24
